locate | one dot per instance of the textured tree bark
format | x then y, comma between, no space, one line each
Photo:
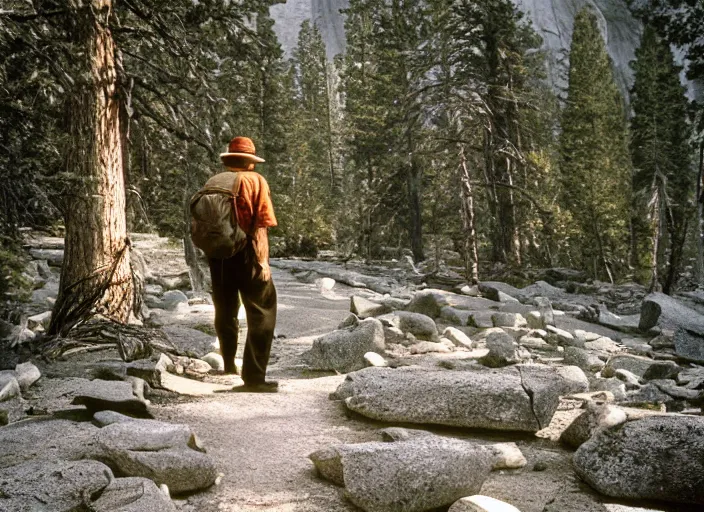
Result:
96,274
700,217
413,180
471,257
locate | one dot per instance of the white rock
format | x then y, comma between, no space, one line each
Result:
374,359
472,291
480,503
215,360
9,388
509,456
26,374
327,284
41,320
558,336
459,338
423,347
449,344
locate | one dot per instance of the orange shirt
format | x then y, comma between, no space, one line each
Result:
254,201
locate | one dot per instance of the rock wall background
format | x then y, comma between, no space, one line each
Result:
552,19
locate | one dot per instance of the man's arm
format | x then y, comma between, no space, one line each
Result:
261,251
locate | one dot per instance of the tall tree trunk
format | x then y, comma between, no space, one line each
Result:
498,255
96,275
471,257
655,229
413,181
195,258
700,217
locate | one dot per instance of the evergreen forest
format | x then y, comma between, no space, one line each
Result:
435,135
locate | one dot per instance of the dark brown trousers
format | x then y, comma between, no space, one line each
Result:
234,278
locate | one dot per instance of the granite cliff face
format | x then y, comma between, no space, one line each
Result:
552,19
326,15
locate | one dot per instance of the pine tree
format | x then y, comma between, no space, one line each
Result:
380,84
309,200
662,181
595,162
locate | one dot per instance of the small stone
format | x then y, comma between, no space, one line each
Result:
105,418
533,343
689,344
583,359
662,370
594,417
171,299
535,320
508,320
41,320
394,335
364,308
215,361
394,434
459,338
9,387
100,395
424,347
603,344
374,359
350,321
421,326
559,336
662,341
327,284
547,314
503,351
344,350
631,380
481,319
472,291
479,503
27,374
454,316
508,456
612,385
634,364
540,466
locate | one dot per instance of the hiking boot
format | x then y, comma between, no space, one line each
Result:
261,387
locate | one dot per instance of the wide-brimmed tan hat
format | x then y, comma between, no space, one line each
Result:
242,147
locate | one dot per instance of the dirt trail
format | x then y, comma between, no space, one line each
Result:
262,442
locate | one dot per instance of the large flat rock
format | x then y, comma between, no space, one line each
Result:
420,474
165,453
660,457
133,494
522,398
667,312
51,485
46,439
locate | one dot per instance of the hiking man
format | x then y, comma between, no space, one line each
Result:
245,274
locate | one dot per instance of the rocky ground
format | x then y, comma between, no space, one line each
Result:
394,397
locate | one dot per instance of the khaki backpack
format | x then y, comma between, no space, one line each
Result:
215,228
